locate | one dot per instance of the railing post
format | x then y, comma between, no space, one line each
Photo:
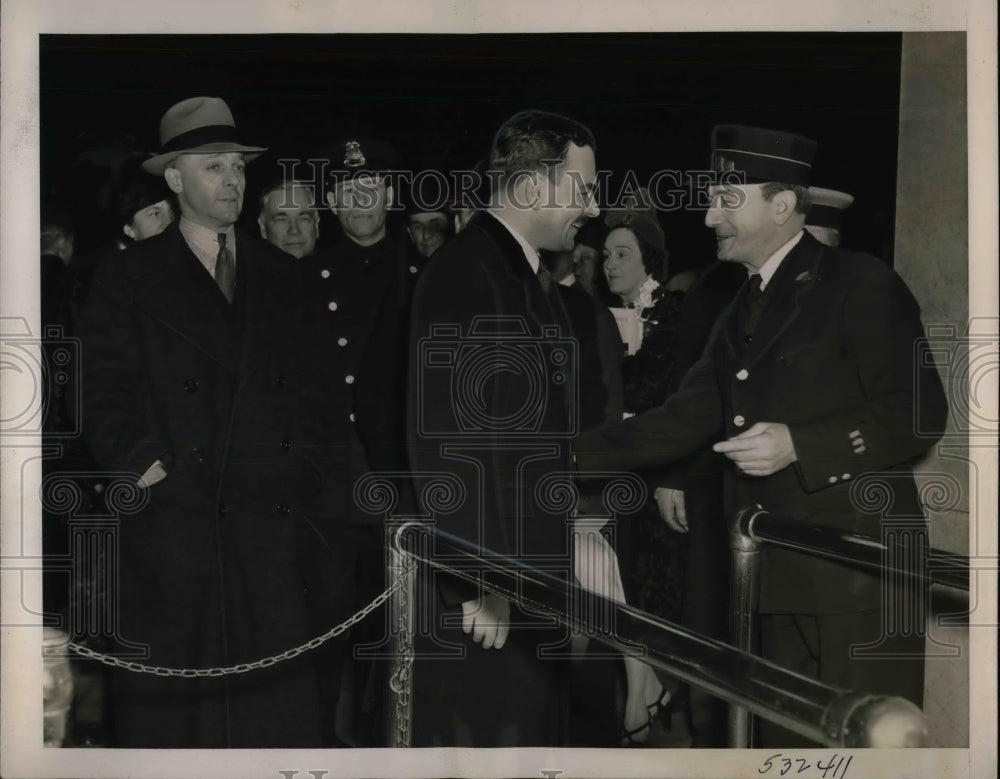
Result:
402,568
743,602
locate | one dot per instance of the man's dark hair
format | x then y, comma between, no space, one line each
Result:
533,141
802,197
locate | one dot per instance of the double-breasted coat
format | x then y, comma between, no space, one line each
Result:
839,357
231,559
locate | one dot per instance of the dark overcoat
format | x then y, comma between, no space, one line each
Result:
493,401
230,560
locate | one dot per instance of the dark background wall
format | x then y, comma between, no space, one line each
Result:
651,100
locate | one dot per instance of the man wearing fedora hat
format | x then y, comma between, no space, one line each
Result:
196,380
809,385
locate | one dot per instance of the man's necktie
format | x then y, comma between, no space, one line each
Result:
225,269
755,303
544,278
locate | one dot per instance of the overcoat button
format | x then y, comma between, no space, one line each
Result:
743,374
846,476
325,273
349,378
286,444
832,480
351,416
332,305
284,509
341,341
739,420
197,455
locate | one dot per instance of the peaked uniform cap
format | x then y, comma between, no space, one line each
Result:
763,155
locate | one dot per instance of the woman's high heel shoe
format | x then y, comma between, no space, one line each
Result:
663,708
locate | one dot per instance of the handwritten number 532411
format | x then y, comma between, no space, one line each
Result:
834,768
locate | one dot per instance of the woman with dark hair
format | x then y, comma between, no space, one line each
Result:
635,259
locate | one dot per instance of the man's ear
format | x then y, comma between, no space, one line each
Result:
525,189
389,196
783,204
129,231
173,179
331,201
260,224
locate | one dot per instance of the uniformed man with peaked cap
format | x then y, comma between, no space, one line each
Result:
359,292
810,386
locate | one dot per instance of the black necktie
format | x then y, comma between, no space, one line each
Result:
755,303
544,278
225,269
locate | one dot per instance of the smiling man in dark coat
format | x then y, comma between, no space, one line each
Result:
492,388
195,380
810,384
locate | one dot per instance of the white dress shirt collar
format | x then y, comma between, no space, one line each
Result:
205,242
770,266
529,253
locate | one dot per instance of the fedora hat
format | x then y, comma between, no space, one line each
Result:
198,125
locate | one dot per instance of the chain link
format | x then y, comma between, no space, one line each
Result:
241,668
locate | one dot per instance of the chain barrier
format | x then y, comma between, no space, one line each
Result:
240,668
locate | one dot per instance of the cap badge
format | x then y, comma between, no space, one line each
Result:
353,158
723,163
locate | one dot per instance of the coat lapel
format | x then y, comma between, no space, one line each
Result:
518,270
789,290
184,298
794,281
269,317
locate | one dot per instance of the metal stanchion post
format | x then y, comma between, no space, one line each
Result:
743,602
402,567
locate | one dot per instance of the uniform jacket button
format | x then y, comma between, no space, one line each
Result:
325,273
191,385
743,375
332,305
349,378
739,420
832,480
341,341
286,444
283,508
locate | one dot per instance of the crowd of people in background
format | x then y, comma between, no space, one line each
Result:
252,382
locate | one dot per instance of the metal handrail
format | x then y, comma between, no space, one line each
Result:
822,713
942,568
752,526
